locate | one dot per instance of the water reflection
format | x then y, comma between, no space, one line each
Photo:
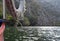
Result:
42,34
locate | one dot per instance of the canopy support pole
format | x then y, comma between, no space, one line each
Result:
3,9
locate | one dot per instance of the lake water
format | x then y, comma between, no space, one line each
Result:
42,33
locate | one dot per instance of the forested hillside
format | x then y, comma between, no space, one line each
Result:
47,12
40,12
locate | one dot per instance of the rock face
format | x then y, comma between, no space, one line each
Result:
49,12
